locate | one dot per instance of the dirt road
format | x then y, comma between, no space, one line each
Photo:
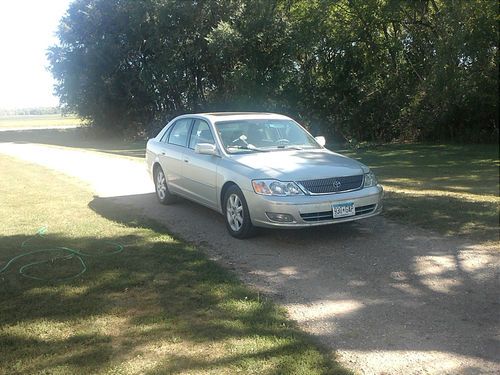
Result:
388,298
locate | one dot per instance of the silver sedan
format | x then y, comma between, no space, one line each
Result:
259,170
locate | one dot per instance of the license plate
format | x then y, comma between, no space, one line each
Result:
343,209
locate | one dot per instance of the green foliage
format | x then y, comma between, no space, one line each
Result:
366,70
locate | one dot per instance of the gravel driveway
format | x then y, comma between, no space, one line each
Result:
388,298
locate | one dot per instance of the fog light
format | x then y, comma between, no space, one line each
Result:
280,218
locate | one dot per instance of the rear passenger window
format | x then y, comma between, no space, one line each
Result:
179,134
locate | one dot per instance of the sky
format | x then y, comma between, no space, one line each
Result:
27,29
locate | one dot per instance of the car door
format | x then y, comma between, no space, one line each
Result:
200,171
172,154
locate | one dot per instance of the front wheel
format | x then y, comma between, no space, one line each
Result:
237,215
161,187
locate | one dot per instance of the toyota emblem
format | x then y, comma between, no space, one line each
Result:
336,185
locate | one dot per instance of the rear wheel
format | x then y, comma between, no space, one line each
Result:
236,213
162,192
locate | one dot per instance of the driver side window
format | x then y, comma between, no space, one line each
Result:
200,134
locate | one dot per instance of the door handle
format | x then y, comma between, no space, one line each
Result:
163,153
186,161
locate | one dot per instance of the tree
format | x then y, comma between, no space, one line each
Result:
353,69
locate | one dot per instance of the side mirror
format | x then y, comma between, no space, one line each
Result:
206,149
321,140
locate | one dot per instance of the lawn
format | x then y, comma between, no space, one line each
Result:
81,138
114,293
37,121
452,189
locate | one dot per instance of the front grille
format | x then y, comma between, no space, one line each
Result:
332,185
328,215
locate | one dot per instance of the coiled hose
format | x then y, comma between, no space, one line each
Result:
69,253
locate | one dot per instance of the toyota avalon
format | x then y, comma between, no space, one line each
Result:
259,170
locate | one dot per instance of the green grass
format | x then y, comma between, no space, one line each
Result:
81,138
38,121
159,307
452,189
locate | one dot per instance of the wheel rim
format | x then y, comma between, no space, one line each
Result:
234,212
161,185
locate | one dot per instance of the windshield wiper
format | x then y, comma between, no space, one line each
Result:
252,148
289,147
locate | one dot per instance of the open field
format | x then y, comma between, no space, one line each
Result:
157,306
452,189
79,138
38,121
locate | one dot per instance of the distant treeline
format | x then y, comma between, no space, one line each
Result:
33,111
355,70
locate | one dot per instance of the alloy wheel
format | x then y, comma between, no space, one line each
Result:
161,185
234,212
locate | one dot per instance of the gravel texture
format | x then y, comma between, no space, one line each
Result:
388,298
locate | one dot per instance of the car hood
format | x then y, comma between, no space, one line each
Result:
298,165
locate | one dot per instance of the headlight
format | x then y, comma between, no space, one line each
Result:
275,187
370,179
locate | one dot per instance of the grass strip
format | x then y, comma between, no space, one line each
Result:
451,189
37,121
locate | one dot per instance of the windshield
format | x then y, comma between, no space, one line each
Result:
263,135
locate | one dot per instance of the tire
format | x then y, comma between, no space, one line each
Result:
162,193
236,214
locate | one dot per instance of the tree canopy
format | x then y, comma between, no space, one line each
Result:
358,70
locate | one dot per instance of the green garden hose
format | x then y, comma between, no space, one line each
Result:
68,254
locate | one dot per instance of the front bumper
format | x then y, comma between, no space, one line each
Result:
312,210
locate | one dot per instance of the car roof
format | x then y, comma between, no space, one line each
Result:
232,116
